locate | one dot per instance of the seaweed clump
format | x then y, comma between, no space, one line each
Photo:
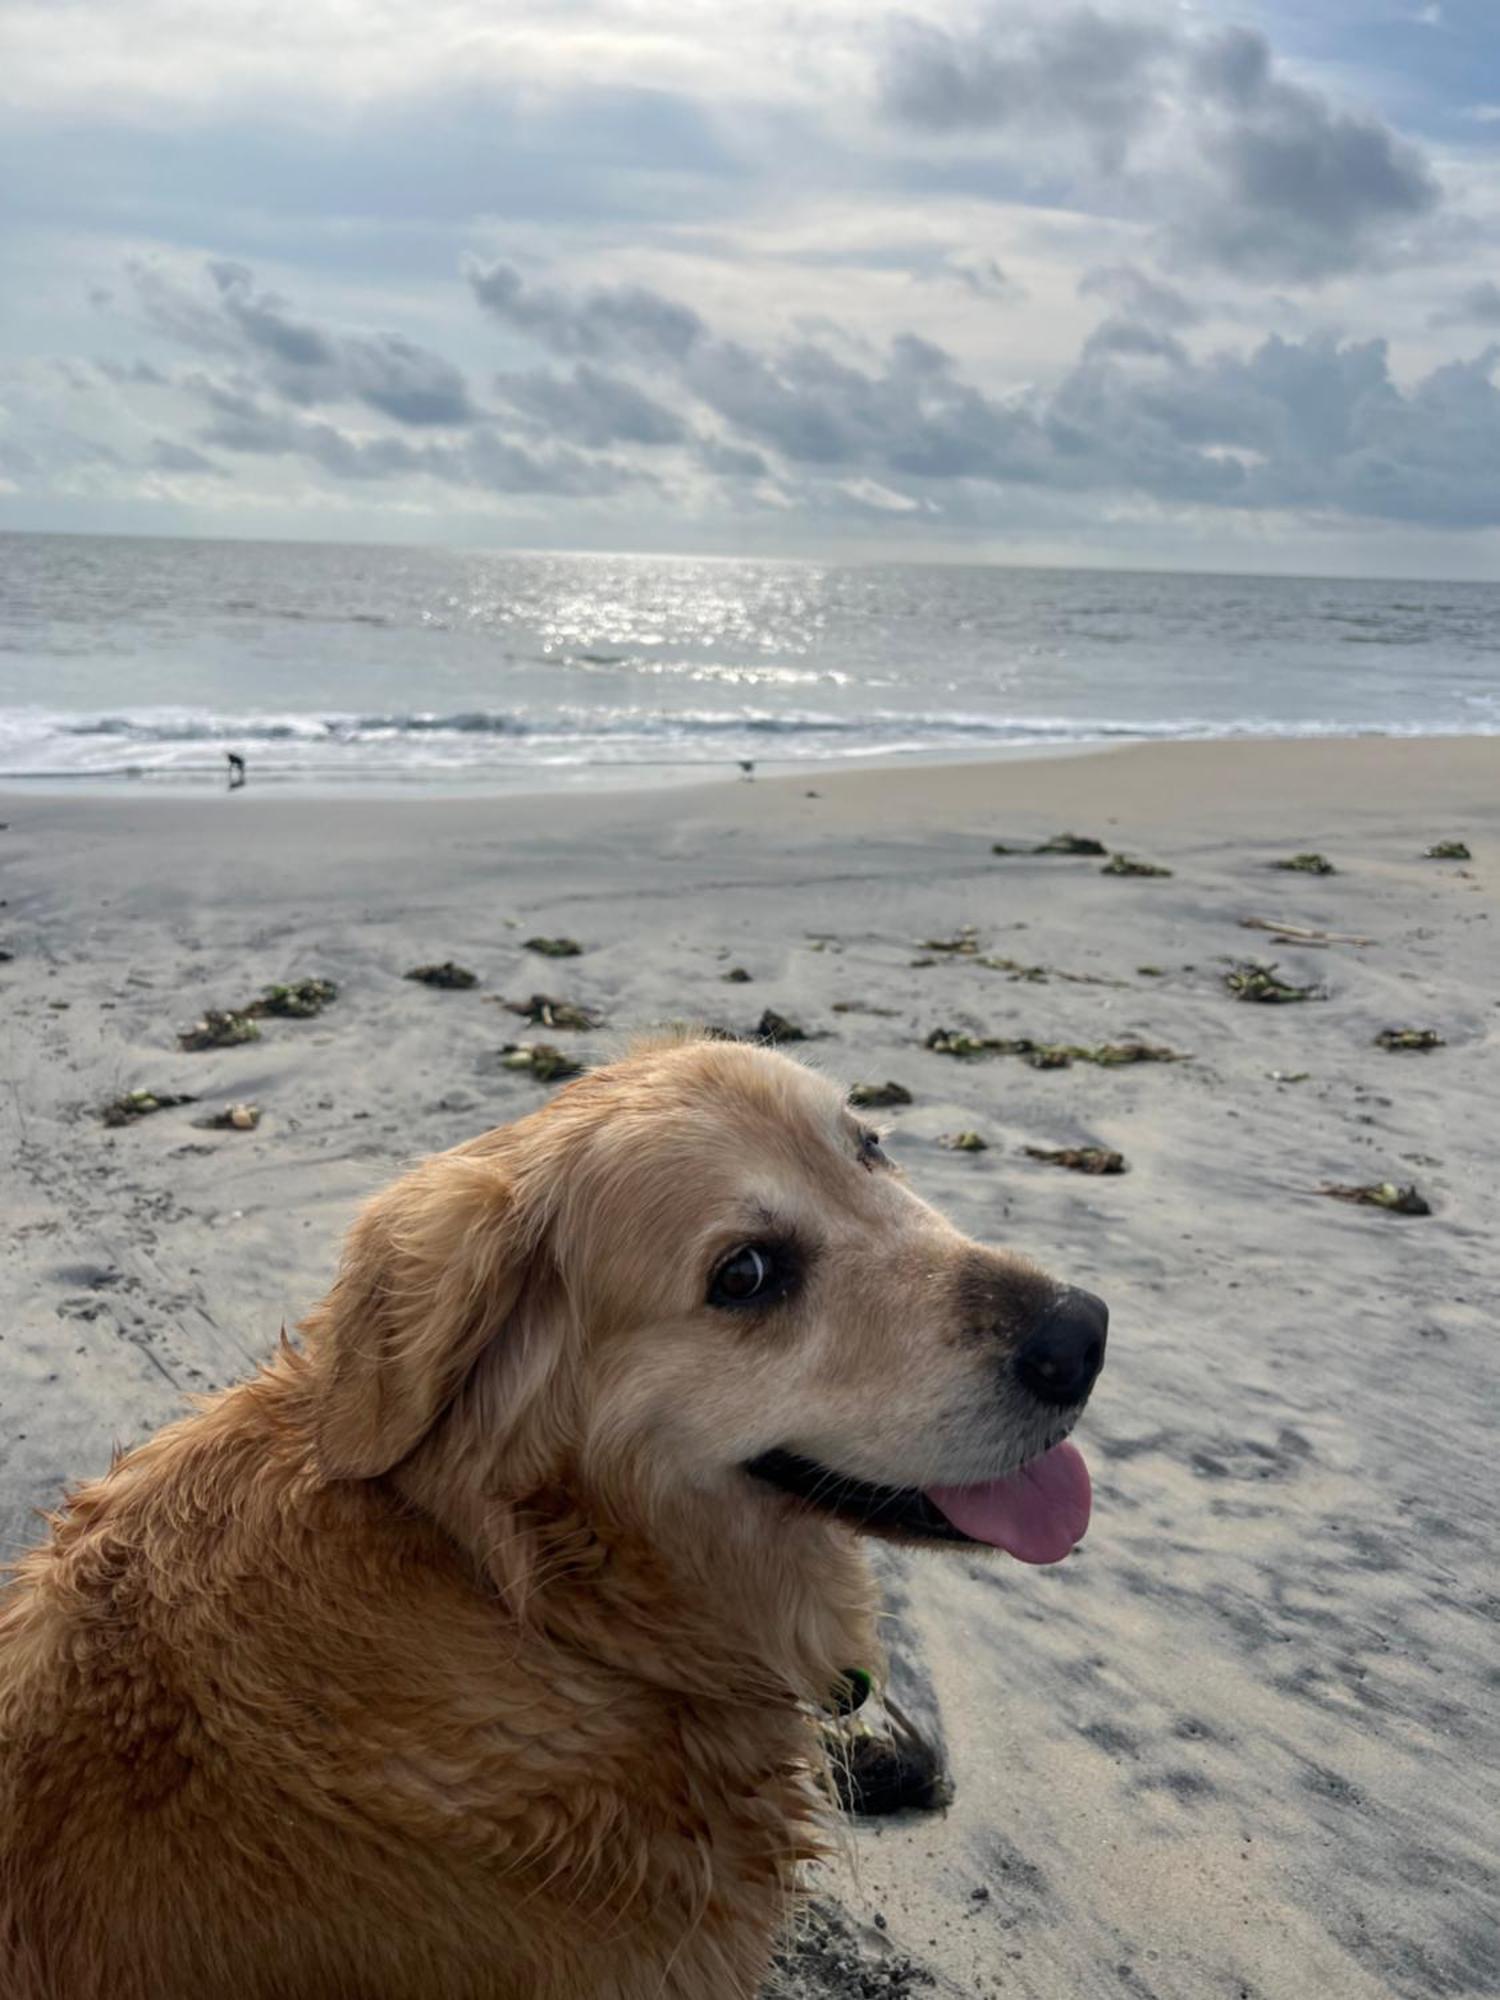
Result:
233,1118
1060,843
776,1029
1448,850
555,947
134,1104
1307,864
1037,975
1397,1039
1382,1194
447,977
541,1060
876,1096
298,1002
1049,1055
543,1011
1254,981
1071,843
220,1028
964,1142
1127,864
954,1042
1081,1159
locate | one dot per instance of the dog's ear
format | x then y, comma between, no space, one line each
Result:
432,1270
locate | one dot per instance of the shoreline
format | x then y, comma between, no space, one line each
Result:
647,778
619,785
1243,1740
643,777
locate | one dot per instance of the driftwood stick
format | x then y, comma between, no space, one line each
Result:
1299,934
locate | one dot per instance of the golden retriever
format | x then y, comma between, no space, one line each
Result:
476,1650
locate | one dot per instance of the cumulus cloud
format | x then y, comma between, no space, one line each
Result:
635,389
1315,425
952,268
276,376
1305,190
1248,170
799,399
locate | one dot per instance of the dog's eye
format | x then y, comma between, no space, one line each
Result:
754,1275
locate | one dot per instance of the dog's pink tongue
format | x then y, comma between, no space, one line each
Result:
1038,1514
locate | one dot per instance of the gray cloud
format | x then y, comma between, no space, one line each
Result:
801,400
1132,336
405,381
1479,305
1306,189
734,461
986,279
591,407
131,373
1138,295
1262,176
1311,425
273,372
262,318
484,459
169,456
1074,67
304,363
620,320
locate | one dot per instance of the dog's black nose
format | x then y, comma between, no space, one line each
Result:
1060,1359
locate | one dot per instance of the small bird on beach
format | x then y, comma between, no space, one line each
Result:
236,769
747,765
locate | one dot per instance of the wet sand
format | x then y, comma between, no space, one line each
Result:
1242,1744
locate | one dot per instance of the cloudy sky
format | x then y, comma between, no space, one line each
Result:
1203,285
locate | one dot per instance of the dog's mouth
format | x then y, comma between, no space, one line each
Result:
1038,1513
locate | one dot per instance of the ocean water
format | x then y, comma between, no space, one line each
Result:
125,661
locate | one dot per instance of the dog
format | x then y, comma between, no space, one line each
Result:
477,1649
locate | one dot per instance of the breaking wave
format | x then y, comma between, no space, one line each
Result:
426,746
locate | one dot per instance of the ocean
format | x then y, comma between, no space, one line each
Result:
143,662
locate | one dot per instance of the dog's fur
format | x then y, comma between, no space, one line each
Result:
458,1654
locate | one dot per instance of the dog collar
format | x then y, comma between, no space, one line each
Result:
850,1692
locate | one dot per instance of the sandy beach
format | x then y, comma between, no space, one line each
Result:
1244,1744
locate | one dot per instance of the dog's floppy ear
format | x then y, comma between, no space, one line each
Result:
432,1270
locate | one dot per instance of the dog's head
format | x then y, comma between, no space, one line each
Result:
692,1288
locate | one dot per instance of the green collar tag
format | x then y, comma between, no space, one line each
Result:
851,1691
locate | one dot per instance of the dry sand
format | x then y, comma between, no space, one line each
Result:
1243,1744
